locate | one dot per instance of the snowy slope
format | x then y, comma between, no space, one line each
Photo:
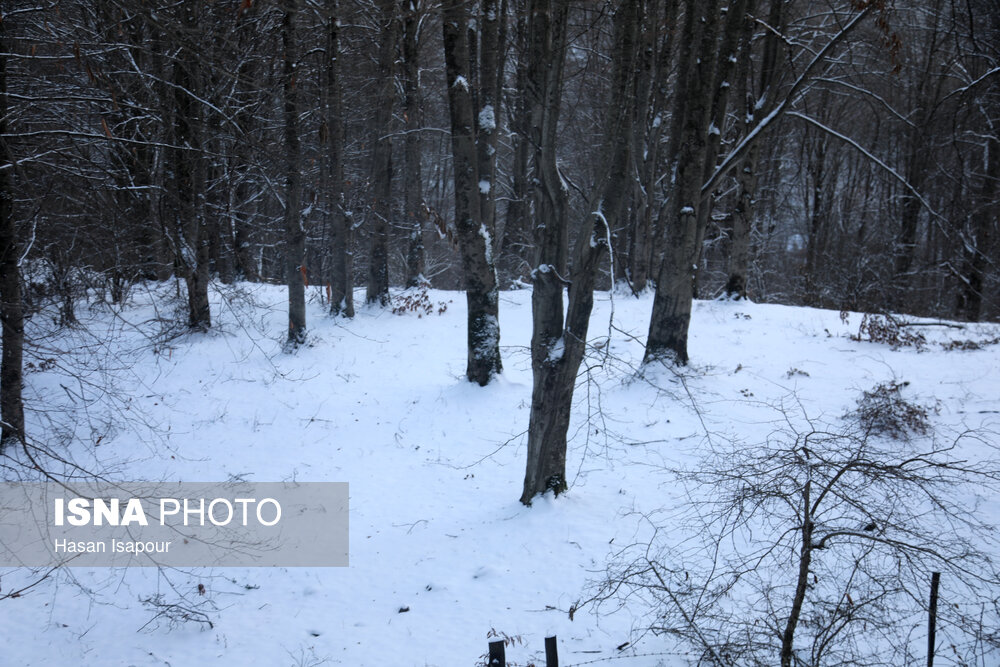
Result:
435,467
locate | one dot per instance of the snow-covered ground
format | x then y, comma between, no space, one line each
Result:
435,467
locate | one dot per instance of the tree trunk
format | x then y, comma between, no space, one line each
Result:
295,233
378,268
516,237
741,218
926,97
244,249
11,311
475,244
654,52
668,328
984,219
341,262
413,114
487,96
732,38
801,583
558,347
191,239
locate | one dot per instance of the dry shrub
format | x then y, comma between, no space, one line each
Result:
884,411
416,300
886,329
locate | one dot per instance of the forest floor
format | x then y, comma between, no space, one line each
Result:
435,467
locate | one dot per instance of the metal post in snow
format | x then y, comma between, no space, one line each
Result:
932,617
551,655
497,657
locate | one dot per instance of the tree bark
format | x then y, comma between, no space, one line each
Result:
341,278
741,219
651,90
11,310
984,220
245,251
736,25
191,239
382,168
668,329
516,237
487,96
801,583
916,163
558,346
414,117
295,233
474,240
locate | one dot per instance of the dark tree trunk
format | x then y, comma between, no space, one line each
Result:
925,98
11,311
822,172
516,237
801,582
247,265
295,233
732,34
378,267
557,347
245,251
671,316
984,221
741,218
487,96
473,237
341,279
191,238
549,421
654,55
413,114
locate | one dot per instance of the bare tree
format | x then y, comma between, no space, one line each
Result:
816,547
558,344
11,312
189,226
341,278
295,233
693,106
653,89
474,240
382,169
413,113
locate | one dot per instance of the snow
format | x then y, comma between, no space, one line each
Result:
487,240
435,466
557,350
461,82
484,187
795,243
487,119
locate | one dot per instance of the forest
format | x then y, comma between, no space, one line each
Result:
575,160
